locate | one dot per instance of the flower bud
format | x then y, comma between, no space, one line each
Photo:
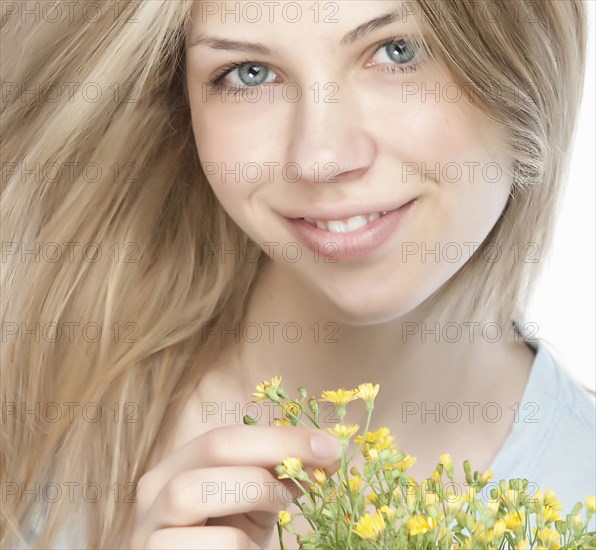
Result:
448,464
499,528
561,526
468,471
284,517
248,420
485,478
281,393
320,475
577,508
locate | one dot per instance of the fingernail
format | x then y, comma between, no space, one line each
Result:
325,446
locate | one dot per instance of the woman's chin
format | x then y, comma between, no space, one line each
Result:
372,307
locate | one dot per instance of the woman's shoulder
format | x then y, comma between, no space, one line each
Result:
576,399
553,442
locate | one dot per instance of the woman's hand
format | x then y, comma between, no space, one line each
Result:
220,490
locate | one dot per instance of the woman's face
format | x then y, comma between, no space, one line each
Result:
323,122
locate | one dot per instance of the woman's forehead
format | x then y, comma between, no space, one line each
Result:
343,21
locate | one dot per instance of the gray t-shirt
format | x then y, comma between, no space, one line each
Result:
553,442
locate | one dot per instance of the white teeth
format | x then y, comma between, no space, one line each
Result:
337,227
346,226
357,222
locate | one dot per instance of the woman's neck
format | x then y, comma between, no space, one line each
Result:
417,357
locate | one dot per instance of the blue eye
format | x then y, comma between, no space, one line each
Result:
399,51
249,75
241,76
252,74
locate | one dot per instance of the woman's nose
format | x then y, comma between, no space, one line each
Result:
328,138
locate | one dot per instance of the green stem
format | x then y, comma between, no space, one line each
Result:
344,468
365,432
372,406
354,508
304,411
279,534
301,508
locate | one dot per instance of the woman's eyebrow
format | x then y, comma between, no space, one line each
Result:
350,37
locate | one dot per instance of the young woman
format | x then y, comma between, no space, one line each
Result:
198,196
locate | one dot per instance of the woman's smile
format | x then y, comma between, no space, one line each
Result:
353,238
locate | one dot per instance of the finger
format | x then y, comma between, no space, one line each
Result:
200,538
241,445
251,524
191,497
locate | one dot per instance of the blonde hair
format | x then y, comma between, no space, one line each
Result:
106,212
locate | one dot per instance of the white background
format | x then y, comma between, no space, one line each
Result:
563,305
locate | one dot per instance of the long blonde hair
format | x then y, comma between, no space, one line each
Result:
106,285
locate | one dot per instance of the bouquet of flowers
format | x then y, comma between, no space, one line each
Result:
383,507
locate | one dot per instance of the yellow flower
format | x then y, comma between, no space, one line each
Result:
514,520
499,528
411,499
453,503
367,392
471,523
355,483
485,478
406,463
549,537
447,464
591,503
292,467
291,411
550,499
339,397
344,431
420,524
550,515
371,498
522,545
577,522
379,440
284,517
471,494
320,475
280,422
370,527
484,535
512,496
431,498
389,512
493,506
264,388
372,455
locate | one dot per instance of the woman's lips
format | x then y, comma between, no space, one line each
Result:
358,244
